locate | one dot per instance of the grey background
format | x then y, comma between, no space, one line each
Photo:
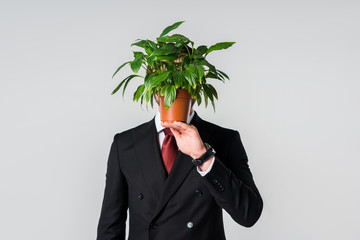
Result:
293,96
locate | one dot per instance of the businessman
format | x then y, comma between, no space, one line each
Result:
175,179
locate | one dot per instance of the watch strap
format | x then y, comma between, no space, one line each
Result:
203,158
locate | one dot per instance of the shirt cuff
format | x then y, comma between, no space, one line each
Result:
203,173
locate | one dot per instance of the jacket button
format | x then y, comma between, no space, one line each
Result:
153,225
214,180
190,224
198,193
140,196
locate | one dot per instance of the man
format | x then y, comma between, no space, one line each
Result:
187,202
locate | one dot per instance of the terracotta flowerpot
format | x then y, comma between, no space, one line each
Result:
179,110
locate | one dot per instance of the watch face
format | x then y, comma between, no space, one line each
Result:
208,147
213,150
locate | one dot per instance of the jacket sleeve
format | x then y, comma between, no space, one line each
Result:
113,214
231,184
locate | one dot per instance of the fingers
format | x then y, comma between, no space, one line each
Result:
180,126
175,132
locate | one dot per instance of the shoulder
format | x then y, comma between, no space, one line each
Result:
216,129
222,139
126,136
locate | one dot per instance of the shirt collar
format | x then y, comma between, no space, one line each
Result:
158,121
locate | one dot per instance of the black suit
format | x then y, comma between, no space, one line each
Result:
184,205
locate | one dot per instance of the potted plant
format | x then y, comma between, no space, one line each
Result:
174,71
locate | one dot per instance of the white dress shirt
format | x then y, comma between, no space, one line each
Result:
161,136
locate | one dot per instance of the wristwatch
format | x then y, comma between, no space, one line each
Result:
203,158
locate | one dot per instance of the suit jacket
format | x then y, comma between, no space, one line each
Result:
183,205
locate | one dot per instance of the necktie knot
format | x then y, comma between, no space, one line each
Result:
167,131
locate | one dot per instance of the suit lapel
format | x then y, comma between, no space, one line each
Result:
180,170
177,175
148,154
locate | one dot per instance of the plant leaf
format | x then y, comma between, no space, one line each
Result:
200,72
185,62
152,101
212,75
213,90
206,98
158,79
206,63
170,28
170,57
179,78
163,90
150,60
136,63
202,49
178,45
152,45
119,86
148,50
198,99
139,91
208,92
148,78
127,82
177,38
170,94
138,54
145,43
123,81
141,43
120,68
164,50
190,75
223,74
148,95
148,45
213,105
219,46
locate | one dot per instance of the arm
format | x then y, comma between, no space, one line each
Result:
113,215
229,181
232,185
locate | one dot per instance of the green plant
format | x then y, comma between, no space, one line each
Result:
170,64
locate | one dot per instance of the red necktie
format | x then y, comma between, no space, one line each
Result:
169,150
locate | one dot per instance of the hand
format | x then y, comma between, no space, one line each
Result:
187,138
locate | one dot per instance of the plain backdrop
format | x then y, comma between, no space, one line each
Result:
293,95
